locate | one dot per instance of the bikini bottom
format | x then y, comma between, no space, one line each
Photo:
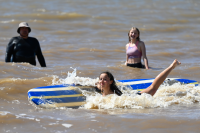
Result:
137,65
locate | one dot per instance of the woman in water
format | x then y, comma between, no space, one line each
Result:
108,86
135,49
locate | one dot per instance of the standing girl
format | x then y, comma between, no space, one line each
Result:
135,49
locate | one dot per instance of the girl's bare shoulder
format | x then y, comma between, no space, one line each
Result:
141,43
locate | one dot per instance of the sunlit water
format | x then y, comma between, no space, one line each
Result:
79,40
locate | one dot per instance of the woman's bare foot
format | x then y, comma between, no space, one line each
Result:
175,63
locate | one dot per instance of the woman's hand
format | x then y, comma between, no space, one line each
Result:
125,63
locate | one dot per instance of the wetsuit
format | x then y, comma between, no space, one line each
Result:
24,50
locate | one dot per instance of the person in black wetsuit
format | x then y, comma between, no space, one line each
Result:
24,48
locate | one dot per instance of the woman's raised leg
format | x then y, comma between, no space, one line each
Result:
160,78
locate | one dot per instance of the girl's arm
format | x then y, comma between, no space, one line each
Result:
143,49
126,56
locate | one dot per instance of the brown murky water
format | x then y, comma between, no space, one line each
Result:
90,36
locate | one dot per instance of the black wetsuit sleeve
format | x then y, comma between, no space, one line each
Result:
10,50
40,56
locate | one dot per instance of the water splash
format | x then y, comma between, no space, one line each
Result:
164,97
167,95
72,78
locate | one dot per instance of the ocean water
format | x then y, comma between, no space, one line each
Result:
88,37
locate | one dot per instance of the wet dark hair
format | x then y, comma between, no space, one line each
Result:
134,28
113,86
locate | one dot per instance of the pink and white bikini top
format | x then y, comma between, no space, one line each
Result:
133,52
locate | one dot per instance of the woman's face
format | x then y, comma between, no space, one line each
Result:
133,34
104,82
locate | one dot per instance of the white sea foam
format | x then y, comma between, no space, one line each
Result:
67,125
166,95
4,112
53,123
72,78
7,21
2,88
22,114
15,102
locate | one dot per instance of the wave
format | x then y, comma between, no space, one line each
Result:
164,97
60,16
167,95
